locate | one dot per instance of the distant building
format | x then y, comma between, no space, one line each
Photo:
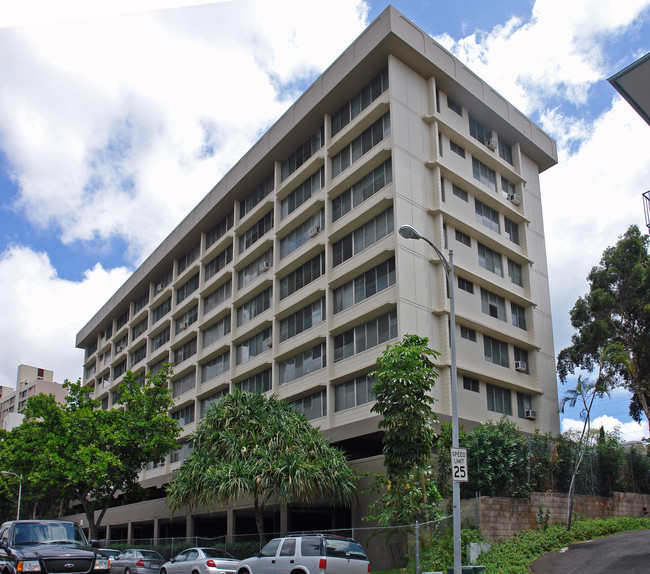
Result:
30,381
290,278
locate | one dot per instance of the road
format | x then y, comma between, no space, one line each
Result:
627,553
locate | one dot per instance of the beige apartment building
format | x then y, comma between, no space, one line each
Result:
290,277
30,381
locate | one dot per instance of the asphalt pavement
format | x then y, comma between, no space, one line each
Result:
627,553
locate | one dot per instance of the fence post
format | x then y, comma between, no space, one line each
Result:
417,547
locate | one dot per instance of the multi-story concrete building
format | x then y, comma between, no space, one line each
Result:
30,381
290,277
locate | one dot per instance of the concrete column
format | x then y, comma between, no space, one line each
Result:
230,525
189,526
156,530
284,520
108,532
129,532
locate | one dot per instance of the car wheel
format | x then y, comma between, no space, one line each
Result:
127,571
163,571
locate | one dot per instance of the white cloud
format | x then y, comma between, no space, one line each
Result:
42,313
629,431
148,111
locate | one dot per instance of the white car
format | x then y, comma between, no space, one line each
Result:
201,561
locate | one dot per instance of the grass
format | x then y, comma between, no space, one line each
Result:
514,555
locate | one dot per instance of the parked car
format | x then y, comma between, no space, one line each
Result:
48,546
201,561
137,561
312,554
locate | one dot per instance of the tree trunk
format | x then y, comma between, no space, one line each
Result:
259,520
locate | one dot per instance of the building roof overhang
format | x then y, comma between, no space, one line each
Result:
633,83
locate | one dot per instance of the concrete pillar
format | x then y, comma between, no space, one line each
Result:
129,532
284,520
108,533
230,525
156,530
189,526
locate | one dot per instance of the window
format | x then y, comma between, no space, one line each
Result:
368,94
507,187
218,263
185,352
496,351
256,196
121,321
185,260
466,285
219,230
205,403
140,303
498,399
365,285
155,368
255,269
139,355
185,320
217,331
259,383
362,190
363,237
515,274
375,332
163,281
311,186
140,328
255,306
463,238
184,384
215,367
457,149
303,364
303,153
160,339
518,316
505,151
181,453
454,106
484,174
458,192
301,234
511,230
259,229
160,311
521,360
121,344
218,296
486,215
490,260
353,393
470,384
493,305
312,406
184,416
187,288
301,320
524,403
254,346
361,145
467,333
478,131
302,276
119,369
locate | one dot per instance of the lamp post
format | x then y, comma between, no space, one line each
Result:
409,232
20,488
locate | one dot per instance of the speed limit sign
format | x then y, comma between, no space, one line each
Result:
459,464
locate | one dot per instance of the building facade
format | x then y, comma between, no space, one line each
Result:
30,381
290,277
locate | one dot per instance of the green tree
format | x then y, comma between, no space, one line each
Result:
89,454
616,310
251,445
404,379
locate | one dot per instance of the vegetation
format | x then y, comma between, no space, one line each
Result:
403,382
85,453
252,445
615,315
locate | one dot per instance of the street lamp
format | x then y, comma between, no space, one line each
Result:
20,488
409,232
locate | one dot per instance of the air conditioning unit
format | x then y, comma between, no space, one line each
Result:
313,230
119,349
184,326
264,265
515,198
530,414
492,144
521,366
159,287
268,343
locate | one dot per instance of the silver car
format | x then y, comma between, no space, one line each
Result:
312,554
201,561
137,561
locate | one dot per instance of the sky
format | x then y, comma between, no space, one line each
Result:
146,104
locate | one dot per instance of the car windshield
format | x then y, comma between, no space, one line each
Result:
345,549
216,553
34,532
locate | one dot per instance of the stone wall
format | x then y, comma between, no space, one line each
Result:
502,517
